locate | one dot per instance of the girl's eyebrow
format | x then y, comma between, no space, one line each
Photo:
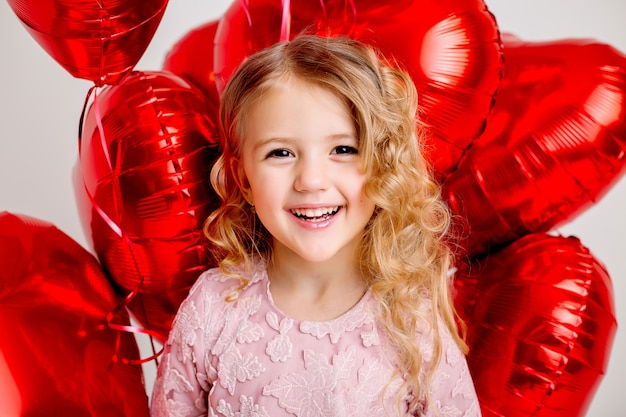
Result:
286,140
342,136
279,139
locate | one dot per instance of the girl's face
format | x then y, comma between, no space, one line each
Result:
301,170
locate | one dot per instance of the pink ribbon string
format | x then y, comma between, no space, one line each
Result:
353,7
123,328
285,23
323,5
246,8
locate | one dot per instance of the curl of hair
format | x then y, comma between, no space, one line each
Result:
405,258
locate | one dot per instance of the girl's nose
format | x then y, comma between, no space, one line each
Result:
312,175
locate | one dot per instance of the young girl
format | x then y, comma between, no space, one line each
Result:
332,292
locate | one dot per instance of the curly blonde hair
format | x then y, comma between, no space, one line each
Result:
405,257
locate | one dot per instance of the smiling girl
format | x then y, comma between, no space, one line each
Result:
332,293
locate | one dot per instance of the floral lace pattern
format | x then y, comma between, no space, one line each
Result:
353,319
247,359
309,392
247,408
280,347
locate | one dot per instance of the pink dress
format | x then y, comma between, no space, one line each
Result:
248,359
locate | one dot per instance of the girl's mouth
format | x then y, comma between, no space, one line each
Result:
316,214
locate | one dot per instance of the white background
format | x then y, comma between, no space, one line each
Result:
40,105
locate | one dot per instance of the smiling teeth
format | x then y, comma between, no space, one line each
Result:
317,213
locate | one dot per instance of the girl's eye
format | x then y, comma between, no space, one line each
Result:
279,153
341,150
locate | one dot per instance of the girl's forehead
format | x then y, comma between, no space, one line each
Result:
290,80
263,96
290,85
298,101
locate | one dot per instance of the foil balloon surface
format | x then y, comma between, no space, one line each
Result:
58,354
554,144
142,187
91,39
541,322
192,59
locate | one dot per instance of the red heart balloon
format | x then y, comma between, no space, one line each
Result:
554,144
541,323
192,59
93,40
451,49
57,355
143,191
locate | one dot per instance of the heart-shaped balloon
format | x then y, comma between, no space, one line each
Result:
192,59
554,144
58,356
541,323
451,49
91,39
142,187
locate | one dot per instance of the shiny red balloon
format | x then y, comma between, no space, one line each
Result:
57,355
541,323
192,59
143,191
451,49
93,40
554,144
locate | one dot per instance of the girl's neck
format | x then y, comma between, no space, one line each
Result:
315,291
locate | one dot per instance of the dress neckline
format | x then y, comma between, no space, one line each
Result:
358,307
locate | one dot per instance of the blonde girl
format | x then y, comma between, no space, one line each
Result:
332,296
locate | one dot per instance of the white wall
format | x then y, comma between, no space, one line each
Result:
40,105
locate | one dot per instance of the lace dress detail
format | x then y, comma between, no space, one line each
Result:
247,359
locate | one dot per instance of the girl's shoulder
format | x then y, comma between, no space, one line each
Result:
217,282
